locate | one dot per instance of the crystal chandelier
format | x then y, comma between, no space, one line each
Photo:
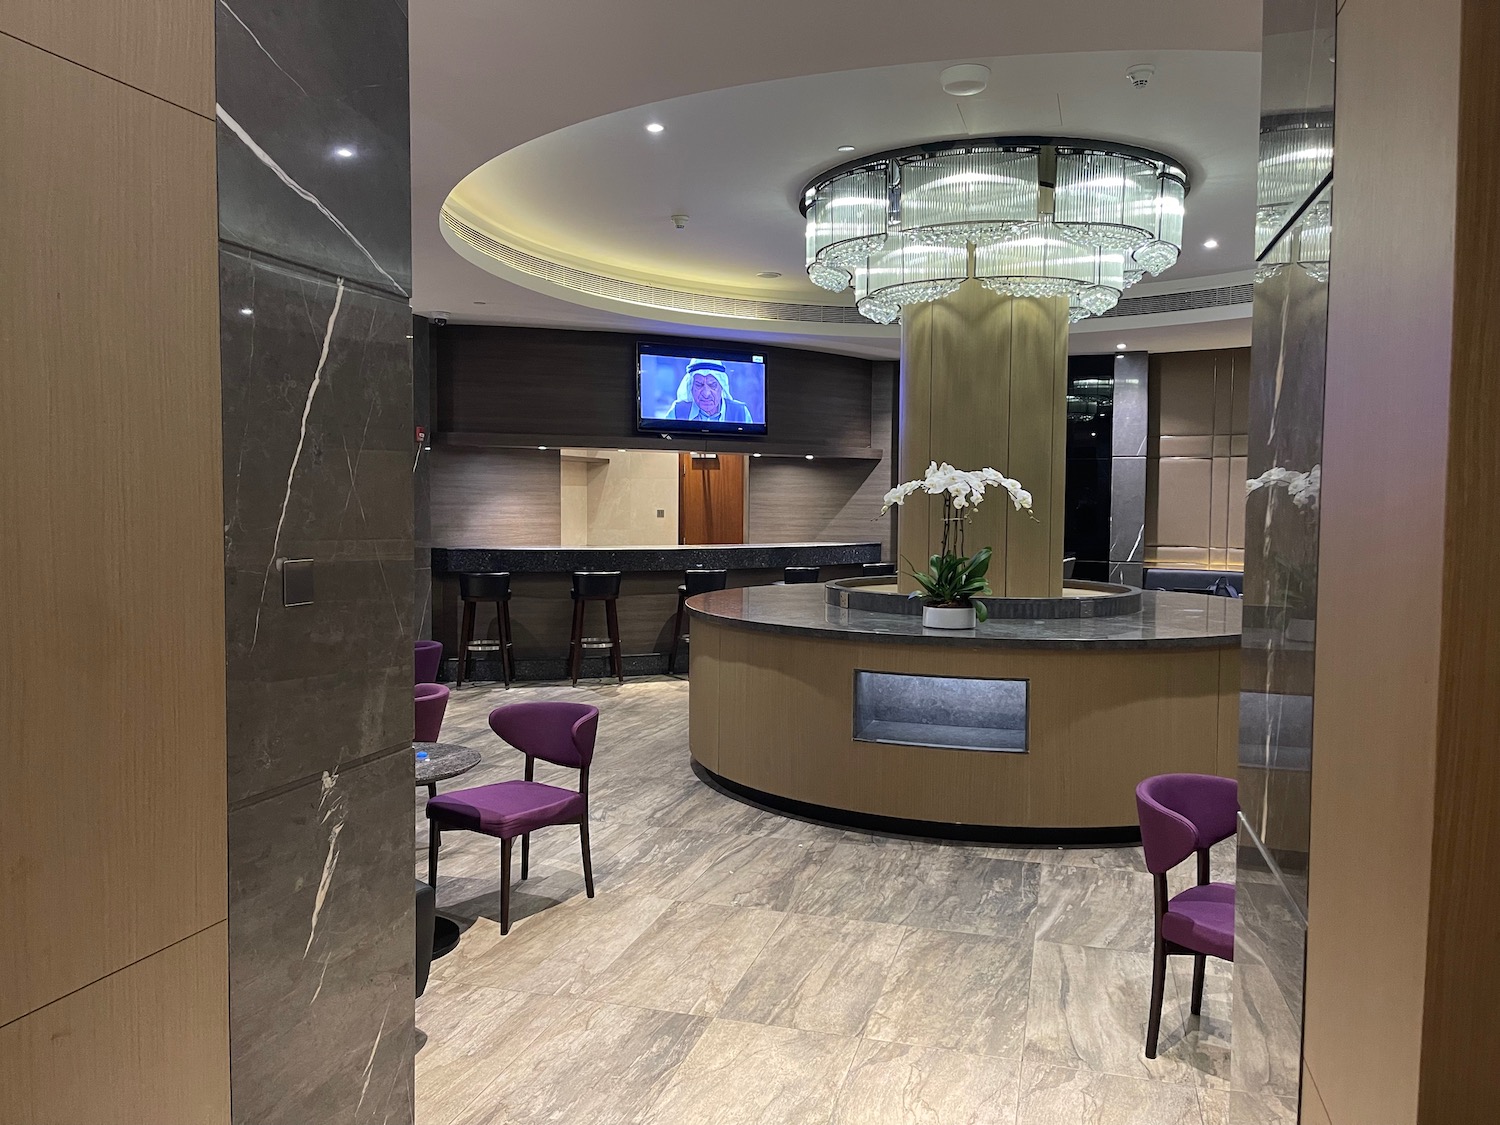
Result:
1296,155
1026,217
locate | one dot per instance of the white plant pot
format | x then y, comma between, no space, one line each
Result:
948,617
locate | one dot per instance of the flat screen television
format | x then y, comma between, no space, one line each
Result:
690,389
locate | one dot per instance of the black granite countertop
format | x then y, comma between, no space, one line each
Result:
1166,620
563,560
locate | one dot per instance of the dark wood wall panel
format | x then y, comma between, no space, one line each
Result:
568,387
496,498
832,501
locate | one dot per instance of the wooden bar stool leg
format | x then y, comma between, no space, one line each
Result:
613,617
465,638
575,648
508,651
505,886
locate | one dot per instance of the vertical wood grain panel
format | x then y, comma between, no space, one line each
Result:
1463,929
1390,336
711,498
112,822
146,1044
165,47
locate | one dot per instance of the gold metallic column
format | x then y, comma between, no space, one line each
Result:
984,383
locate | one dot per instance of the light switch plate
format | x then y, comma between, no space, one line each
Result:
296,582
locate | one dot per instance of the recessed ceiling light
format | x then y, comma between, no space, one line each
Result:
769,273
344,152
809,456
247,312
755,455
622,451
543,448
1120,347
846,148
1211,244
655,127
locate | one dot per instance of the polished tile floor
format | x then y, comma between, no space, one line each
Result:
738,967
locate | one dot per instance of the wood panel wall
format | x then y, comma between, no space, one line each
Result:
557,387
795,501
1386,468
1197,441
113,975
496,497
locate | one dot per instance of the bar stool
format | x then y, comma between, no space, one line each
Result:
793,575
596,586
476,588
693,582
871,570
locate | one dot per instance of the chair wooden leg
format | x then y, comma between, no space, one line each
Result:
1198,967
434,838
676,636
505,887
507,650
465,638
588,866
613,618
525,855
1158,986
575,648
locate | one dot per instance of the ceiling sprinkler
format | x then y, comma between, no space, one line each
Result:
1140,76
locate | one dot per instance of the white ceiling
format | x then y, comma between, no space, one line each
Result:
549,103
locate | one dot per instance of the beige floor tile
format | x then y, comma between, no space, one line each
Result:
757,871
688,960
751,1074
661,862
958,991
595,1063
1253,1109
1053,1095
1110,908
893,1083
817,974
1088,1011
559,950
466,1029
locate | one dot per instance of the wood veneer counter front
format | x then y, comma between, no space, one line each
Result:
772,709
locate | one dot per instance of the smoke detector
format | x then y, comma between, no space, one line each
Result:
680,221
965,80
1140,76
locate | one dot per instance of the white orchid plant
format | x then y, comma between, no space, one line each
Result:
953,578
1302,488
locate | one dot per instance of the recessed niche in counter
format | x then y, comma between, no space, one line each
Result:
949,712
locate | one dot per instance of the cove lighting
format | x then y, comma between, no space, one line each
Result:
655,127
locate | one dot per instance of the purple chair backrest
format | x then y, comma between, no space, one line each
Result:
430,701
561,733
1183,812
429,658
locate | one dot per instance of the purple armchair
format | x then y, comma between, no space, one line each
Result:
431,700
1184,814
429,658
560,733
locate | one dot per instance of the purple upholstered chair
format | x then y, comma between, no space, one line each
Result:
1183,814
561,733
429,658
431,700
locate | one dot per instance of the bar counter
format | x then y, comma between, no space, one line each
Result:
541,606
1017,730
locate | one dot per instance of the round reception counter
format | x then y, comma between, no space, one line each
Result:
1019,730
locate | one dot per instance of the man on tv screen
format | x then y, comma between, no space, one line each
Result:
703,395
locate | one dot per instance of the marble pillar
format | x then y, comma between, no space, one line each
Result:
421,475
316,326
984,383
1288,361
1127,509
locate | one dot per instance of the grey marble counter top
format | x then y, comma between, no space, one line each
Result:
563,560
1166,620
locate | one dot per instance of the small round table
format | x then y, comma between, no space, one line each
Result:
444,760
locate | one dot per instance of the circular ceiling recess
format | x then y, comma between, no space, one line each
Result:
585,213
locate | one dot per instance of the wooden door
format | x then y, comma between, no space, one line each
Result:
711,498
